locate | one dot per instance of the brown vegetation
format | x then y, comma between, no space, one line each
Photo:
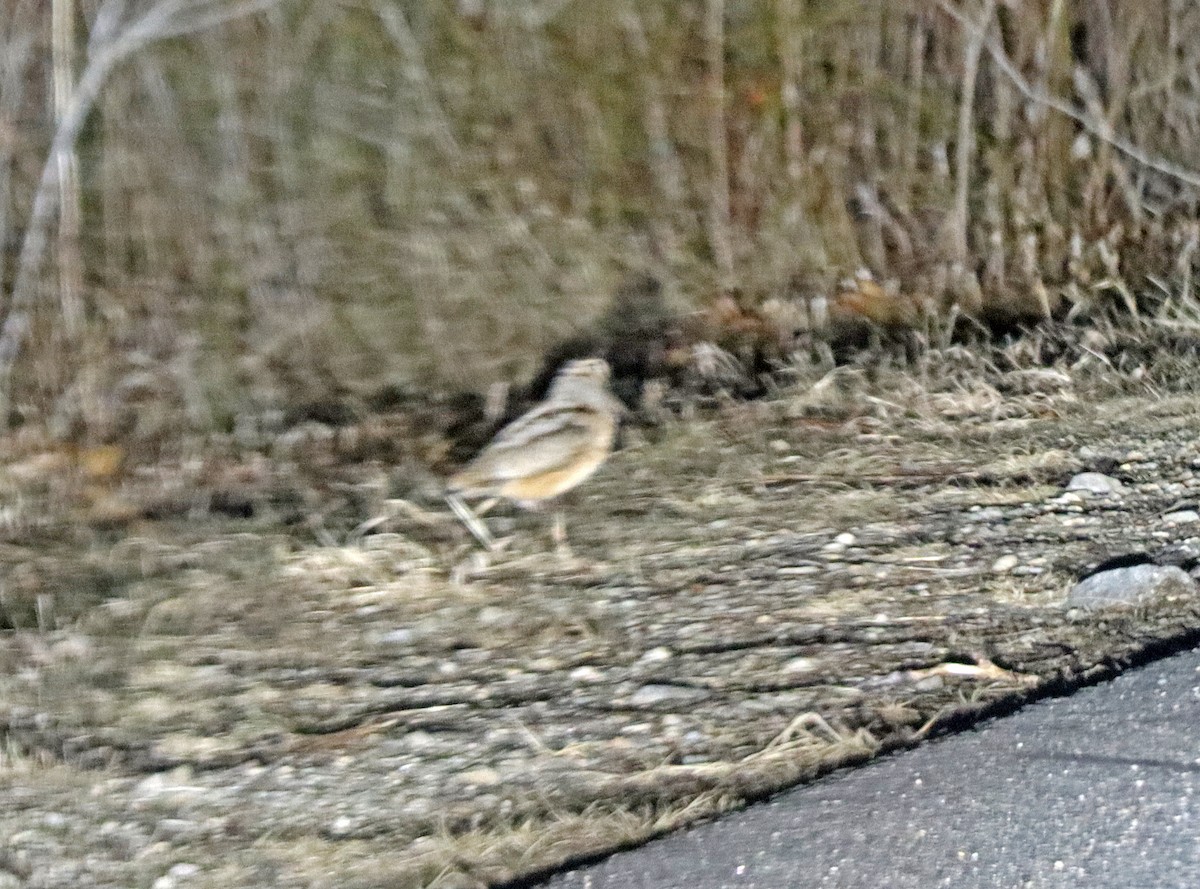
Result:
308,197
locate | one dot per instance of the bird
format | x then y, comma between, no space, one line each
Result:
546,451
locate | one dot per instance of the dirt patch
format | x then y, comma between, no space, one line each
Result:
758,595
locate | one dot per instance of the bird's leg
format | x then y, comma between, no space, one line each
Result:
558,532
472,522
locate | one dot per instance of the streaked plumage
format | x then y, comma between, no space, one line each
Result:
551,448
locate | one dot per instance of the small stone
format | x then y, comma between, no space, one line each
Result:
480,777
174,828
651,695
401,636
1181,517
586,674
846,539
494,616
1005,563
1096,483
800,665
1131,586
656,655
175,783
420,740
341,826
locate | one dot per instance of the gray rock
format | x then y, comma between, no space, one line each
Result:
1181,517
1130,586
1096,483
985,514
1005,563
398,636
650,695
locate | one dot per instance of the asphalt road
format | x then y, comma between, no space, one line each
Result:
1101,789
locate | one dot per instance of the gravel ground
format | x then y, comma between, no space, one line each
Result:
757,596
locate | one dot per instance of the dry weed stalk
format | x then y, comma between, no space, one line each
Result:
438,192
114,38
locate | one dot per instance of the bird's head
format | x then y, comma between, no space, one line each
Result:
581,375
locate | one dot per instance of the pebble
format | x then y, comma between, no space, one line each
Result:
480,777
182,871
800,665
985,514
656,655
1129,586
420,740
1096,483
1005,563
175,784
1181,517
586,674
649,695
175,828
494,616
401,636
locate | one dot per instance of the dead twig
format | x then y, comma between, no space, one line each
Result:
1097,129
113,40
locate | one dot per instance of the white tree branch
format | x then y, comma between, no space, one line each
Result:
1094,127
110,43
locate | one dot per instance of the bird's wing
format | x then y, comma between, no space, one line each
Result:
546,438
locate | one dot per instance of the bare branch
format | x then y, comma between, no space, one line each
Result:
1097,129
167,18
417,74
70,262
718,149
665,164
15,54
966,129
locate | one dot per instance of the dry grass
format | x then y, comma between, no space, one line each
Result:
262,659
436,192
501,852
